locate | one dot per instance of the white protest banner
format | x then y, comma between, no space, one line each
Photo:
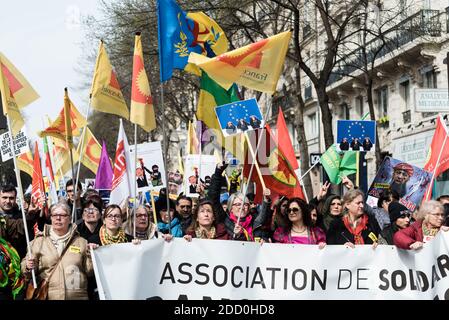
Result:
20,144
220,269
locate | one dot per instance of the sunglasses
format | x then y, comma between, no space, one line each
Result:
295,210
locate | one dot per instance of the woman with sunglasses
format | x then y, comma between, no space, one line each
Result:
299,229
430,221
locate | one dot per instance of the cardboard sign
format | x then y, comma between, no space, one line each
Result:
20,145
150,169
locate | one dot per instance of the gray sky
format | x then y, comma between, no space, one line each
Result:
42,39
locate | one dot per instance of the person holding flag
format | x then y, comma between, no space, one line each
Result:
238,209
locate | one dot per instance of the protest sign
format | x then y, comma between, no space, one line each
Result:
357,135
150,170
194,172
410,182
240,116
20,145
221,269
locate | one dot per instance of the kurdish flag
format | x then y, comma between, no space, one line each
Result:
142,108
256,66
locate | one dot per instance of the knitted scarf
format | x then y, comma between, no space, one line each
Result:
204,234
430,232
357,232
60,241
245,222
10,268
106,238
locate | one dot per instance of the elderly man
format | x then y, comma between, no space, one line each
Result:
402,173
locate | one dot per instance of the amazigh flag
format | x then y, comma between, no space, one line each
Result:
337,166
211,96
25,163
438,156
106,95
67,124
123,180
180,34
256,66
142,108
103,179
90,150
38,188
285,144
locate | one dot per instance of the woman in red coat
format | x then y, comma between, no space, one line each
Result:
204,225
430,221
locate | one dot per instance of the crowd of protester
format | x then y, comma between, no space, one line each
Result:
60,243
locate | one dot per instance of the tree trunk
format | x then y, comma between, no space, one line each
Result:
302,141
326,115
369,94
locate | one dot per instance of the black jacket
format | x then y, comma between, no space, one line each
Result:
339,234
84,231
260,217
388,233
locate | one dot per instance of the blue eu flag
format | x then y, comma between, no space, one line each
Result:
239,116
354,131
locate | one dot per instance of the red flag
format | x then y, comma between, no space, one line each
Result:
277,173
37,184
438,156
286,146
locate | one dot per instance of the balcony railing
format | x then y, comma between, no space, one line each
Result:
422,23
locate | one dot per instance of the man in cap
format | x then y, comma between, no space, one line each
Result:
400,219
402,173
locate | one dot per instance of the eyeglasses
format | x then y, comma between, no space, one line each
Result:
114,217
142,216
59,216
295,210
404,215
239,204
438,215
91,210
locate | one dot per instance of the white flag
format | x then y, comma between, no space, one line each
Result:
123,179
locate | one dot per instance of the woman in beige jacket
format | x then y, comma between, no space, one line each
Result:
69,281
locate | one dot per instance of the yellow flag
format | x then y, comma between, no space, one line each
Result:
61,159
192,140
256,66
25,163
142,109
10,107
91,151
58,128
20,88
106,95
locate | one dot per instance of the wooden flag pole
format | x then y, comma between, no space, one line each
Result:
252,167
153,206
22,201
82,146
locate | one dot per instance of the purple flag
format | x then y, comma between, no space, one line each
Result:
103,180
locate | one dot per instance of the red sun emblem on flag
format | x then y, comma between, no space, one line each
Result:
253,54
141,87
